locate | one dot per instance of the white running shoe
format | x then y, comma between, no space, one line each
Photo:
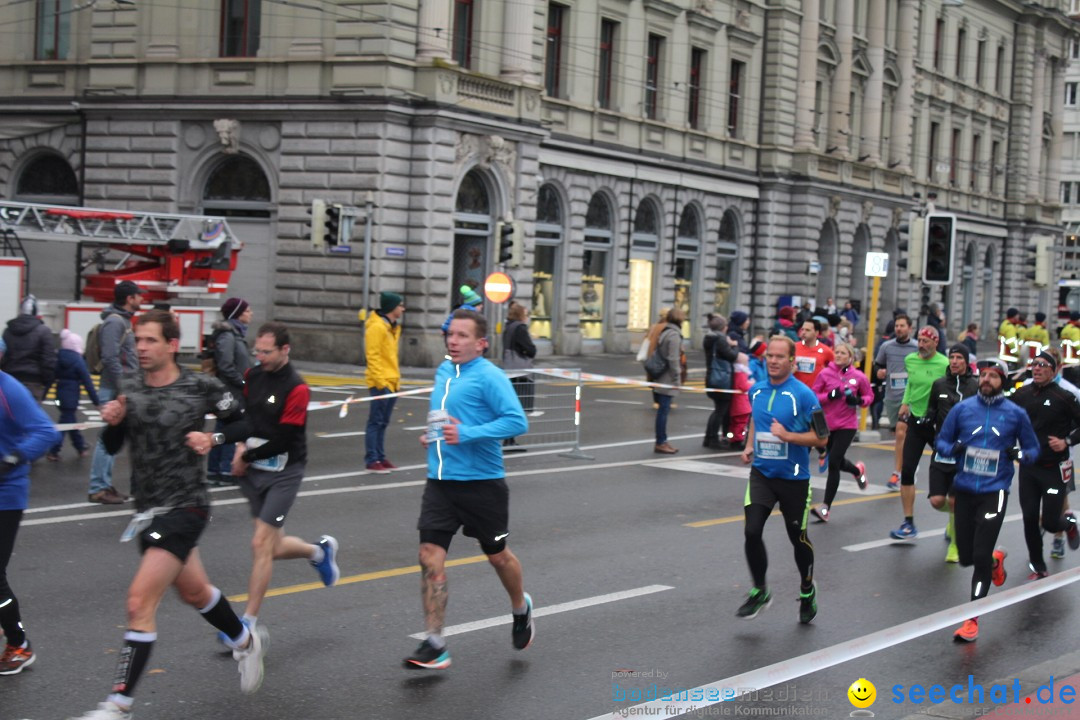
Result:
250,660
106,711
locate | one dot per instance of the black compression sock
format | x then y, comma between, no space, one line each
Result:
137,647
219,613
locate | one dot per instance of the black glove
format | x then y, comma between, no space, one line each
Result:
852,399
958,449
834,393
1014,453
9,463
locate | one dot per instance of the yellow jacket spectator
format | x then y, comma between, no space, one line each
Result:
381,334
1038,332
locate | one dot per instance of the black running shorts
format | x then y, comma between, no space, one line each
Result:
177,531
481,507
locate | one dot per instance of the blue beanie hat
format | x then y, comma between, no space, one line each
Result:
469,296
738,318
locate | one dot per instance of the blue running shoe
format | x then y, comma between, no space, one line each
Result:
906,531
524,631
328,568
894,483
823,462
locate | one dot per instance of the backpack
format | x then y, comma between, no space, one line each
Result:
93,350
719,375
208,358
657,364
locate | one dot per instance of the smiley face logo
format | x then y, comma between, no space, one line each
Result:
862,693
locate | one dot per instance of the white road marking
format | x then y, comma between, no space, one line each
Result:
354,433
550,610
618,402
359,488
743,472
787,670
922,534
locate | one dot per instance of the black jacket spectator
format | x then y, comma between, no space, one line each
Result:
31,352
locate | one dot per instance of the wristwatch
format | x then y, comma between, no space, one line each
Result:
217,439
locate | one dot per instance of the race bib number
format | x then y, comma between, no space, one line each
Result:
938,457
271,464
1066,468
805,364
769,447
898,381
981,461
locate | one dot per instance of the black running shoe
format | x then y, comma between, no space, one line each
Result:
428,657
808,605
757,601
524,631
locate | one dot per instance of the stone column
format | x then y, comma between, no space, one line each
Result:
870,147
840,106
900,140
1034,149
433,33
517,39
807,77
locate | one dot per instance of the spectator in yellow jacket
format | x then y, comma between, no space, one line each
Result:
382,332
1038,332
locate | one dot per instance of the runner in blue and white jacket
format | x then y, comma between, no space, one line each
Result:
981,433
26,432
473,409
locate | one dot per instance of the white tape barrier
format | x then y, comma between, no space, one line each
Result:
797,667
593,377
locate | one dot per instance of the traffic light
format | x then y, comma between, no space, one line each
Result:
913,246
1042,274
317,231
333,224
924,300
505,231
938,255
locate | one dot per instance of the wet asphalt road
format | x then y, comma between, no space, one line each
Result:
621,545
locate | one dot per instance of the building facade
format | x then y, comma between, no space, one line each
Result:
715,154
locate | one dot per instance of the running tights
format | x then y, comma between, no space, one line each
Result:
758,558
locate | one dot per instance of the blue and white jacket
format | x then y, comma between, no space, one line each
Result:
994,424
480,396
26,431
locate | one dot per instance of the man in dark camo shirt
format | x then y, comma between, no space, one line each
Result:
157,412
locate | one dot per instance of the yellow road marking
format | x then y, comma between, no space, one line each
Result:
738,518
364,577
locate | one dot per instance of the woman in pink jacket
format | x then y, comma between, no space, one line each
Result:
842,389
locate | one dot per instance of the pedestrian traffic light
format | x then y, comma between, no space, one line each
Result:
1041,274
938,255
924,300
911,242
333,224
317,229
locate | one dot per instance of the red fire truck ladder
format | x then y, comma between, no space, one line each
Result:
170,255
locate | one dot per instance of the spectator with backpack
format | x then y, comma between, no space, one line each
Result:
720,355
31,354
664,366
72,376
111,348
232,360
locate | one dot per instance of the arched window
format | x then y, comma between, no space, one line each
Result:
727,252
549,238
599,232
473,229
644,243
237,187
687,251
48,179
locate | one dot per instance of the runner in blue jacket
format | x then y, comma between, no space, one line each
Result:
26,432
473,409
981,433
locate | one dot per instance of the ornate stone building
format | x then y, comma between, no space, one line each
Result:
716,154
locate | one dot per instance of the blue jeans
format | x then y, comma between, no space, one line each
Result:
221,456
664,401
67,415
102,465
378,419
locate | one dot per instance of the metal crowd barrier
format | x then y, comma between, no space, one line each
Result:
553,407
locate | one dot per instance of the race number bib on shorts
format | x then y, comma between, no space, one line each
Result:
981,461
272,464
898,381
805,364
769,447
938,457
1066,468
